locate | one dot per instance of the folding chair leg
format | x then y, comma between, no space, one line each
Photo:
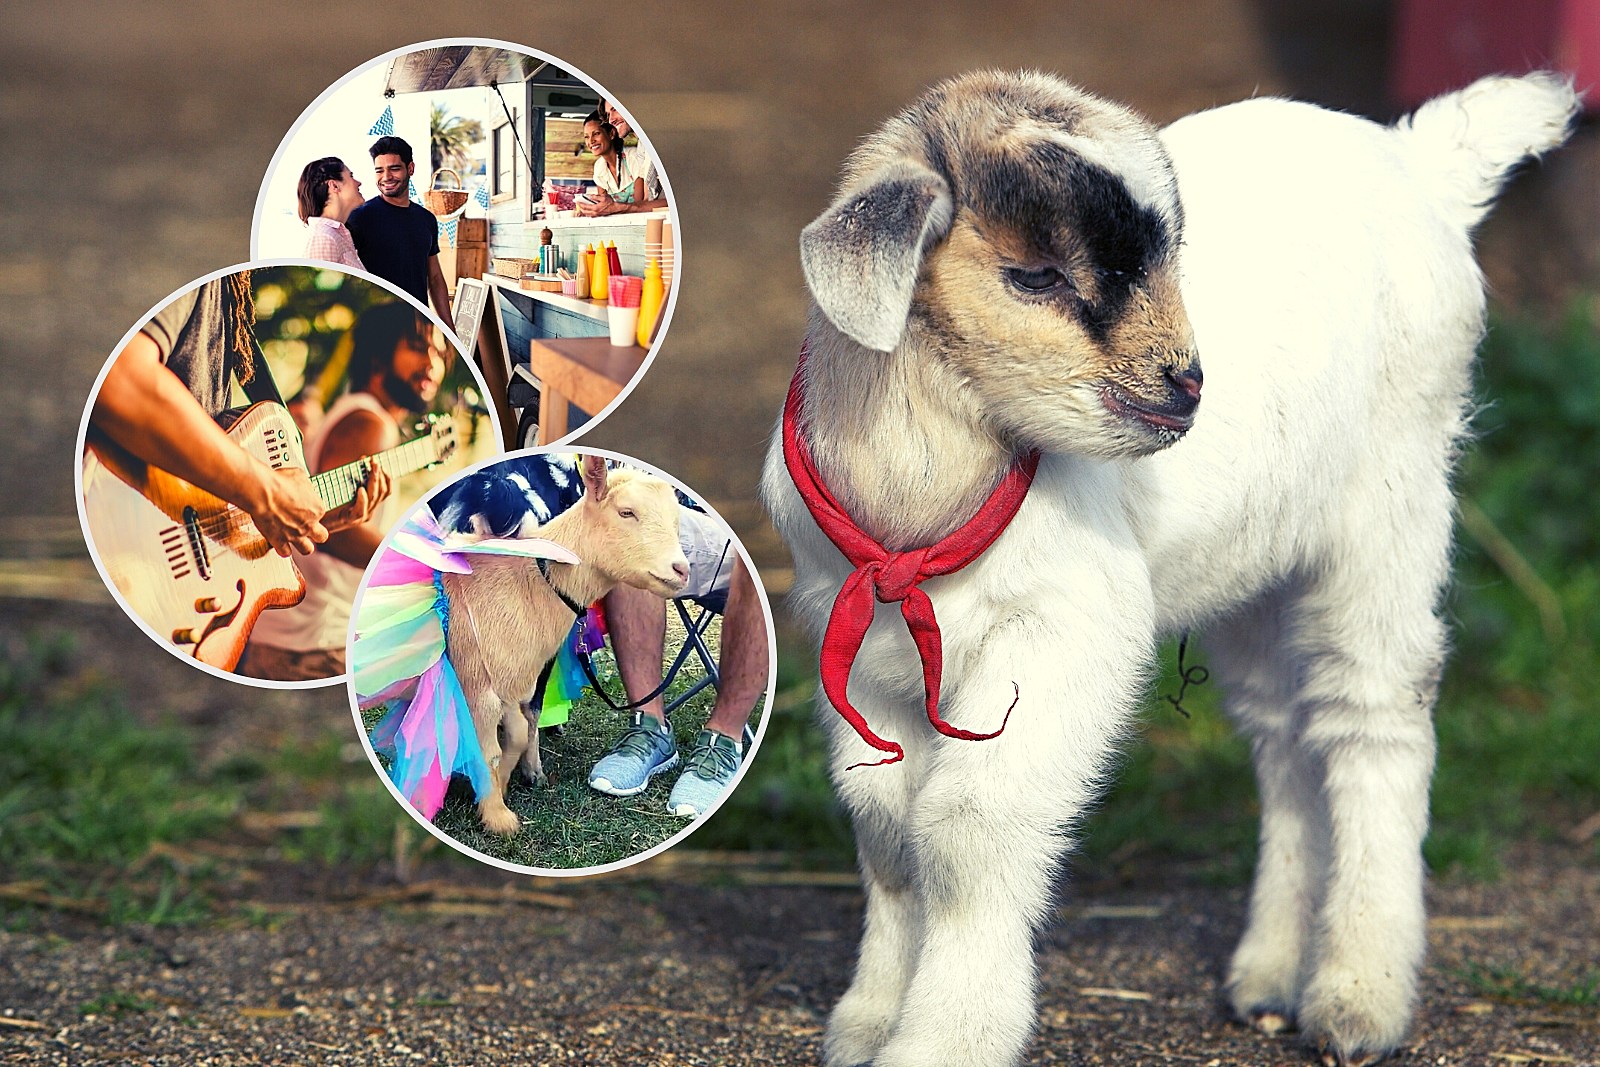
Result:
693,643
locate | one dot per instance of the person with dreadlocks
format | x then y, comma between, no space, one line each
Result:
394,373
161,397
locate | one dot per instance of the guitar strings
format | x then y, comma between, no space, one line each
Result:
223,526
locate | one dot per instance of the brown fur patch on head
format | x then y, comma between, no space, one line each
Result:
1039,363
1054,286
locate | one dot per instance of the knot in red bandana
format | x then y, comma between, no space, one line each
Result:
892,577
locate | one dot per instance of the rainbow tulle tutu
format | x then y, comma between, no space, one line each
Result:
400,659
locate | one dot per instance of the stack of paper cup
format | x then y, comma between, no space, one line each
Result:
622,311
667,264
652,239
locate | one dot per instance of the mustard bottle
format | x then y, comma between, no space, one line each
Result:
600,276
650,302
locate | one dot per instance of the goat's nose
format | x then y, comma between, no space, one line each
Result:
1187,380
1185,386
680,567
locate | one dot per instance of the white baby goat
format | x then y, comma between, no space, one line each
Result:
1013,265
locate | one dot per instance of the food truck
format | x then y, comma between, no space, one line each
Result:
529,233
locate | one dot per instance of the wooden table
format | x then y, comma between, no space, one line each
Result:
590,372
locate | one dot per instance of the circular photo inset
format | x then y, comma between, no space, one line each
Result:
561,662
509,190
245,450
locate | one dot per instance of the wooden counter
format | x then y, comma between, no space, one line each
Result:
590,372
621,218
589,309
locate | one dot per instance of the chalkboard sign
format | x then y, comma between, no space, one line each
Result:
472,296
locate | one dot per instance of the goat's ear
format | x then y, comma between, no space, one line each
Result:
594,477
862,255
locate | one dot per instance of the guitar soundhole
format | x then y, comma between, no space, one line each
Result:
197,542
221,621
174,546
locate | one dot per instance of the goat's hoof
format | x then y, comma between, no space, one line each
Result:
1353,1019
1333,1057
503,822
538,781
1270,1021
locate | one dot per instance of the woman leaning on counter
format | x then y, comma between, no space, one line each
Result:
622,174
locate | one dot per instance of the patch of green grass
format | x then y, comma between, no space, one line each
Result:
1519,742
1508,983
99,810
330,775
87,793
118,1002
565,824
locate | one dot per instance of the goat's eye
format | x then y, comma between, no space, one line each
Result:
627,513
1036,280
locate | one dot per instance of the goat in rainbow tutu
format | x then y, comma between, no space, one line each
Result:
454,631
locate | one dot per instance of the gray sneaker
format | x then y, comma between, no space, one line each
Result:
708,771
644,750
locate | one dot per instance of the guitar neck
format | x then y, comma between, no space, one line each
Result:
337,487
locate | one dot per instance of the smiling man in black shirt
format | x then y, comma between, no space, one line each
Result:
398,239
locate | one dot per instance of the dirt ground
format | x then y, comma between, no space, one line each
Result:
695,962
134,144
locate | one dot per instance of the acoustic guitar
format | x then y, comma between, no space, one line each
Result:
193,567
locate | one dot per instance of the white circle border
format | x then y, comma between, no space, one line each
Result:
695,823
94,393
490,42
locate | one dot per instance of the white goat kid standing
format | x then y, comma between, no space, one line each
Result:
1014,265
507,619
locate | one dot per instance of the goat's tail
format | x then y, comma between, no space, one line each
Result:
1467,142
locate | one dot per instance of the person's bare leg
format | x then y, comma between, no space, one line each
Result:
743,659
638,624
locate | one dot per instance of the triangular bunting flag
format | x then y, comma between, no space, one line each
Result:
384,127
482,195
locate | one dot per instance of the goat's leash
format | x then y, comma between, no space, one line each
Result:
578,611
892,577
586,662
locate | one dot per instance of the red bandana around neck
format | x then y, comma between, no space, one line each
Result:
890,577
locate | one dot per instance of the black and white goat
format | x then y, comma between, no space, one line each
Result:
1013,266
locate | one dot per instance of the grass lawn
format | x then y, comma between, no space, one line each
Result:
104,814
565,824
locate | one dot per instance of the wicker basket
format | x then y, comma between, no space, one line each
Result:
509,267
445,201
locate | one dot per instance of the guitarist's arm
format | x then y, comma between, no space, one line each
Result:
143,407
358,435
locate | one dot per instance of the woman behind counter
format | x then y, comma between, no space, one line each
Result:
328,192
652,179
618,172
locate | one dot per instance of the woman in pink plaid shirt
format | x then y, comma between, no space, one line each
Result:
328,193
